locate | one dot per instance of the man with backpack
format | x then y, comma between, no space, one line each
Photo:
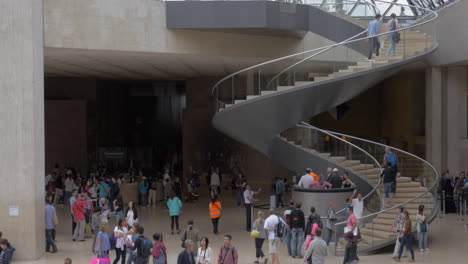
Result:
297,230
275,227
228,253
143,246
287,216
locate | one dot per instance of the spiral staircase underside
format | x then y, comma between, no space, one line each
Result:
258,120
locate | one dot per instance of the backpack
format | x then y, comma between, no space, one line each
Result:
310,237
296,217
147,247
280,229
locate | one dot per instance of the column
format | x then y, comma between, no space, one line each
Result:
434,116
22,126
456,117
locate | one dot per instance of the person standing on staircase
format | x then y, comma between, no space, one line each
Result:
393,37
392,158
373,31
388,179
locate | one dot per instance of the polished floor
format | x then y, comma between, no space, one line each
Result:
448,237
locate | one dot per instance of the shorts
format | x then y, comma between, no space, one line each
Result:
273,246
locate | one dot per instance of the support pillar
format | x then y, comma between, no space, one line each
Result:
456,117
22,126
434,135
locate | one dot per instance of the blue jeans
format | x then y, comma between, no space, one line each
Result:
131,256
49,234
406,241
330,235
239,196
288,241
388,189
297,240
392,47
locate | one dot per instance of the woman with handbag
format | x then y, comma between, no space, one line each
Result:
421,227
215,213
260,235
205,253
393,37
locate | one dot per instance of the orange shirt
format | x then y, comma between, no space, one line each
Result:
315,176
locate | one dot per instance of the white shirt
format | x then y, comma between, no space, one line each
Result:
92,190
205,258
248,196
305,181
130,219
271,222
358,207
48,178
69,185
215,179
120,243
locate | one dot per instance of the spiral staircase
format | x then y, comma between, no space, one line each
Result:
263,107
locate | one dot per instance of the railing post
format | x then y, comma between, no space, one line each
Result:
232,89
259,82
443,202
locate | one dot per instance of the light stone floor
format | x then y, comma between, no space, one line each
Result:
448,238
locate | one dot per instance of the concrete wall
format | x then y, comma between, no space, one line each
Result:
22,126
140,25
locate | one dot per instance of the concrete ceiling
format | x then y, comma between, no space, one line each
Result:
60,62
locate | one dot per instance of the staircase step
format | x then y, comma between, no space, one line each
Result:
361,167
284,88
298,84
338,159
320,78
379,234
252,96
351,163
238,101
267,92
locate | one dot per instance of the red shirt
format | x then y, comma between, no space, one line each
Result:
78,210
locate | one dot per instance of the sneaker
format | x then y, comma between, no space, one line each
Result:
422,250
370,60
266,261
427,249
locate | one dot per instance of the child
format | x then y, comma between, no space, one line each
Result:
350,256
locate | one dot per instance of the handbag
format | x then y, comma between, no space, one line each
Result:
254,234
348,229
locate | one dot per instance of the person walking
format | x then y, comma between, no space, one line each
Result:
50,224
271,224
174,204
258,225
118,207
131,239
187,256
297,230
393,37
215,183
143,191
205,253
350,256
228,253
102,243
392,158
248,203
143,247
331,219
287,216
7,251
239,189
159,251
388,179
71,201
406,237
120,233
373,31
397,226
317,250
131,215
79,217
191,233
279,191
422,227
215,213
153,186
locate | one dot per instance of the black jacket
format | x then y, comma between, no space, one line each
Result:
335,180
310,221
297,219
388,175
186,258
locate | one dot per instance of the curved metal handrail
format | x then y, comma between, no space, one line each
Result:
376,187
430,189
215,87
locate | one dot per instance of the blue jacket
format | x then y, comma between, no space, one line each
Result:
143,187
174,206
7,255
